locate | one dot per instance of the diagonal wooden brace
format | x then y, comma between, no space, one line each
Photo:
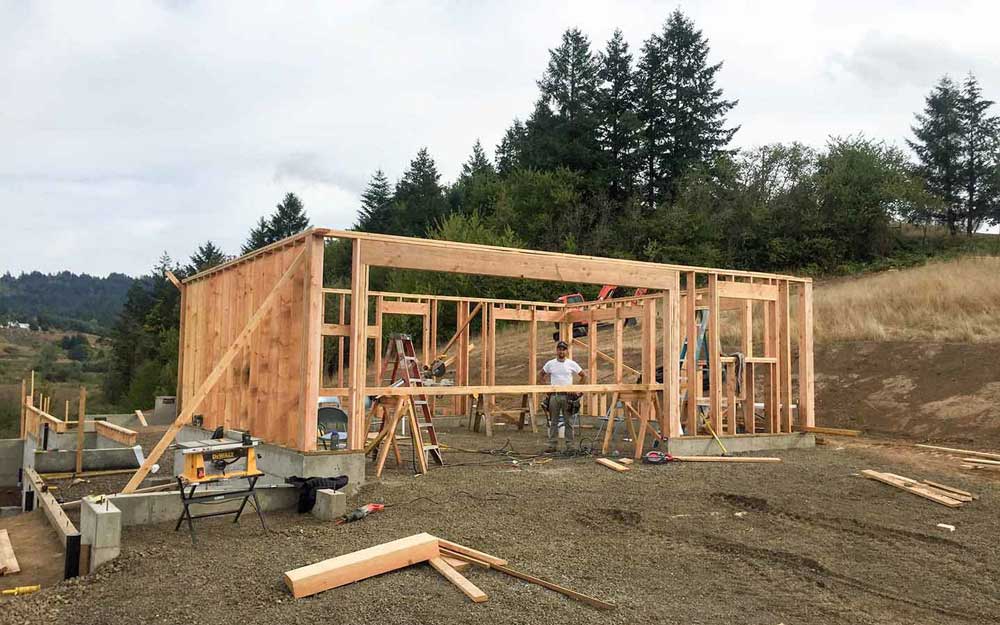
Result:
216,374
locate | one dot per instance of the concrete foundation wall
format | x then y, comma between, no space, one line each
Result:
11,457
146,508
93,460
706,445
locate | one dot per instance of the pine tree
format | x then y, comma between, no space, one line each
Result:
681,109
375,214
207,256
419,202
619,125
570,80
562,131
478,162
289,218
260,236
938,146
980,142
509,153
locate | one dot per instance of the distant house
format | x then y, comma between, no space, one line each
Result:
17,325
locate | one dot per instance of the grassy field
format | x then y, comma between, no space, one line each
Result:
955,300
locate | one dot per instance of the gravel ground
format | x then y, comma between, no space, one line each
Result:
805,541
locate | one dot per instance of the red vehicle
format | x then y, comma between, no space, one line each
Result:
608,291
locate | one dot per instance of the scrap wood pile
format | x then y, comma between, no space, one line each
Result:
939,493
446,557
968,459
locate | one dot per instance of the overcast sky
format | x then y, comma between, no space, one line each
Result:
133,128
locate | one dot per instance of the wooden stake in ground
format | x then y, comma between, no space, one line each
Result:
80,419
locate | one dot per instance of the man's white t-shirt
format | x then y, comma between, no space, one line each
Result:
561,373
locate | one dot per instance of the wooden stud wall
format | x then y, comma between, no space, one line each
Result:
271,387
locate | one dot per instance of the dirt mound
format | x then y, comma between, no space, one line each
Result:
940,391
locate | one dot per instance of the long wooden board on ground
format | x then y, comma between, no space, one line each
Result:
912,486
830,431
725,459
950,489
351,567
611,464
967,452
8,563
592,601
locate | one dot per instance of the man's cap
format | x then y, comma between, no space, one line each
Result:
562,344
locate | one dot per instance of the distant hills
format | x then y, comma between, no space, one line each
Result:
65,300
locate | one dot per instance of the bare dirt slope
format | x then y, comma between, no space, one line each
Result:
948,392
805,541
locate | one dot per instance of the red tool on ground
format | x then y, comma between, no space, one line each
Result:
361,513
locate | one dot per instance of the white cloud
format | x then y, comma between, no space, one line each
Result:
132,128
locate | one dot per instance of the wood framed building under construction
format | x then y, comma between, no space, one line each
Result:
253,331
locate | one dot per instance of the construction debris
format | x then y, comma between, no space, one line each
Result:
444,556
970,459
966,452
947,496
611,464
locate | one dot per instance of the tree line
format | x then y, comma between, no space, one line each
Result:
628,154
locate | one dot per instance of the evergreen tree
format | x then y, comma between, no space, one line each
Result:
979,171
619,125
289,218
938,146
509,154
419,202
207,256
260,236
683,112
562,132
478,162
375,214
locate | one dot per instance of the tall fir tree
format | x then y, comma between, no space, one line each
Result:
418,202
682,110
618,129
509,153
289,218
564,132
376,205
478,163
207,256
260,236
980,164
938,146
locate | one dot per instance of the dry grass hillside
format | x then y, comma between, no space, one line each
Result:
956,300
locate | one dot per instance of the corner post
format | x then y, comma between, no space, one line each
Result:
312,340
358,361
807,397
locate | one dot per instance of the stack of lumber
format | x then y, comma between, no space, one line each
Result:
969,459
939,493
445,557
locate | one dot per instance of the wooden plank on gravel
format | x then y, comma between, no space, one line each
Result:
967,452
724,459
456,563
468,588
8,563
472,553
597,603
830,431
611,464
951,489
925,492
981,461
351,567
